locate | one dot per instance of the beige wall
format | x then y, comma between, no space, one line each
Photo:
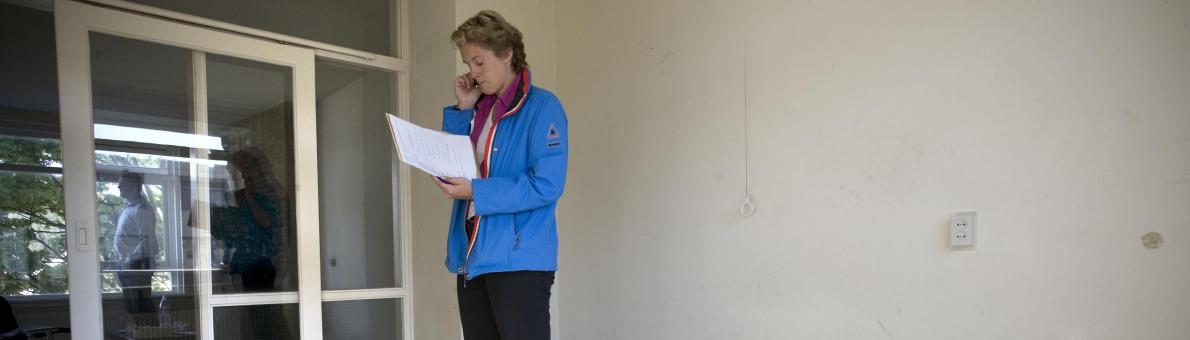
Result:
436,314
435,64
1064,123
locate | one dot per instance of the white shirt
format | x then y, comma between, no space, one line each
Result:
136,231
481,146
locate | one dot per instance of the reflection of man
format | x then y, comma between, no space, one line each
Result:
136,246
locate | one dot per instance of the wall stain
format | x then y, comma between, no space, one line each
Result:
665,58
1152,240
1185,178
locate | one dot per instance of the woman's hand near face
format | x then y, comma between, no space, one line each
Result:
466,92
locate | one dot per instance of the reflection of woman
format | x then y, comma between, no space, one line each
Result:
250,244
247,229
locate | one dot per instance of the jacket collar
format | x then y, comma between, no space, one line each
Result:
522,92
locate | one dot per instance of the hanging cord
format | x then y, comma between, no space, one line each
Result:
747,208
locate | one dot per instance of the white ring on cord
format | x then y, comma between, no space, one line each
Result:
747,208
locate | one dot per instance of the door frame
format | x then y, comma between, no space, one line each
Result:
74,21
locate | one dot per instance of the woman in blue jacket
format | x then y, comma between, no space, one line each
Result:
503,239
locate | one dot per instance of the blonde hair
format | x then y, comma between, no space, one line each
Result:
489,30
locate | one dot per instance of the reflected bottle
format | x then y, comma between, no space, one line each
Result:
163,313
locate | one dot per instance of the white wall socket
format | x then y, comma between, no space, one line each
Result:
962,229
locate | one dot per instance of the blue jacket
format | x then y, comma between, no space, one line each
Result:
516,203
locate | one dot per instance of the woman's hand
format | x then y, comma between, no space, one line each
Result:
466,91
456,187
258,213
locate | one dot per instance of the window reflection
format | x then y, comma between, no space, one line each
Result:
214,188
135,246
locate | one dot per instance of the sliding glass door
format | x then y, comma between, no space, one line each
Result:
191,190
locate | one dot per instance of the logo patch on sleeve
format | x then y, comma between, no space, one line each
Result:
553,132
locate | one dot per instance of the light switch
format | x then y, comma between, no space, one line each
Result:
82,238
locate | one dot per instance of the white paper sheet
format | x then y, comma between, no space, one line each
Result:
437,153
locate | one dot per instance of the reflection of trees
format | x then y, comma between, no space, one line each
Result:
32,226
31,218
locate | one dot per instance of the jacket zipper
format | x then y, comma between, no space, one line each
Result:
463,268
488,165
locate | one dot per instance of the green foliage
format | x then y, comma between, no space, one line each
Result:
31,220
33,248
29,151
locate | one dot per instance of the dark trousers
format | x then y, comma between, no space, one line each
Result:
137,285
263,322
508,306
258,276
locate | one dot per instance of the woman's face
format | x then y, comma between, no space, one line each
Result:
489,71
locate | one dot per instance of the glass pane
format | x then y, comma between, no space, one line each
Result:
364,319
253,221
32,228
273,322
355,178
151,168
143,186
28,72
366,25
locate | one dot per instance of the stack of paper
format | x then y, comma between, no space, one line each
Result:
435,152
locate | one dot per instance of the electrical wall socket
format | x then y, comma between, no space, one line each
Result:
962,229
